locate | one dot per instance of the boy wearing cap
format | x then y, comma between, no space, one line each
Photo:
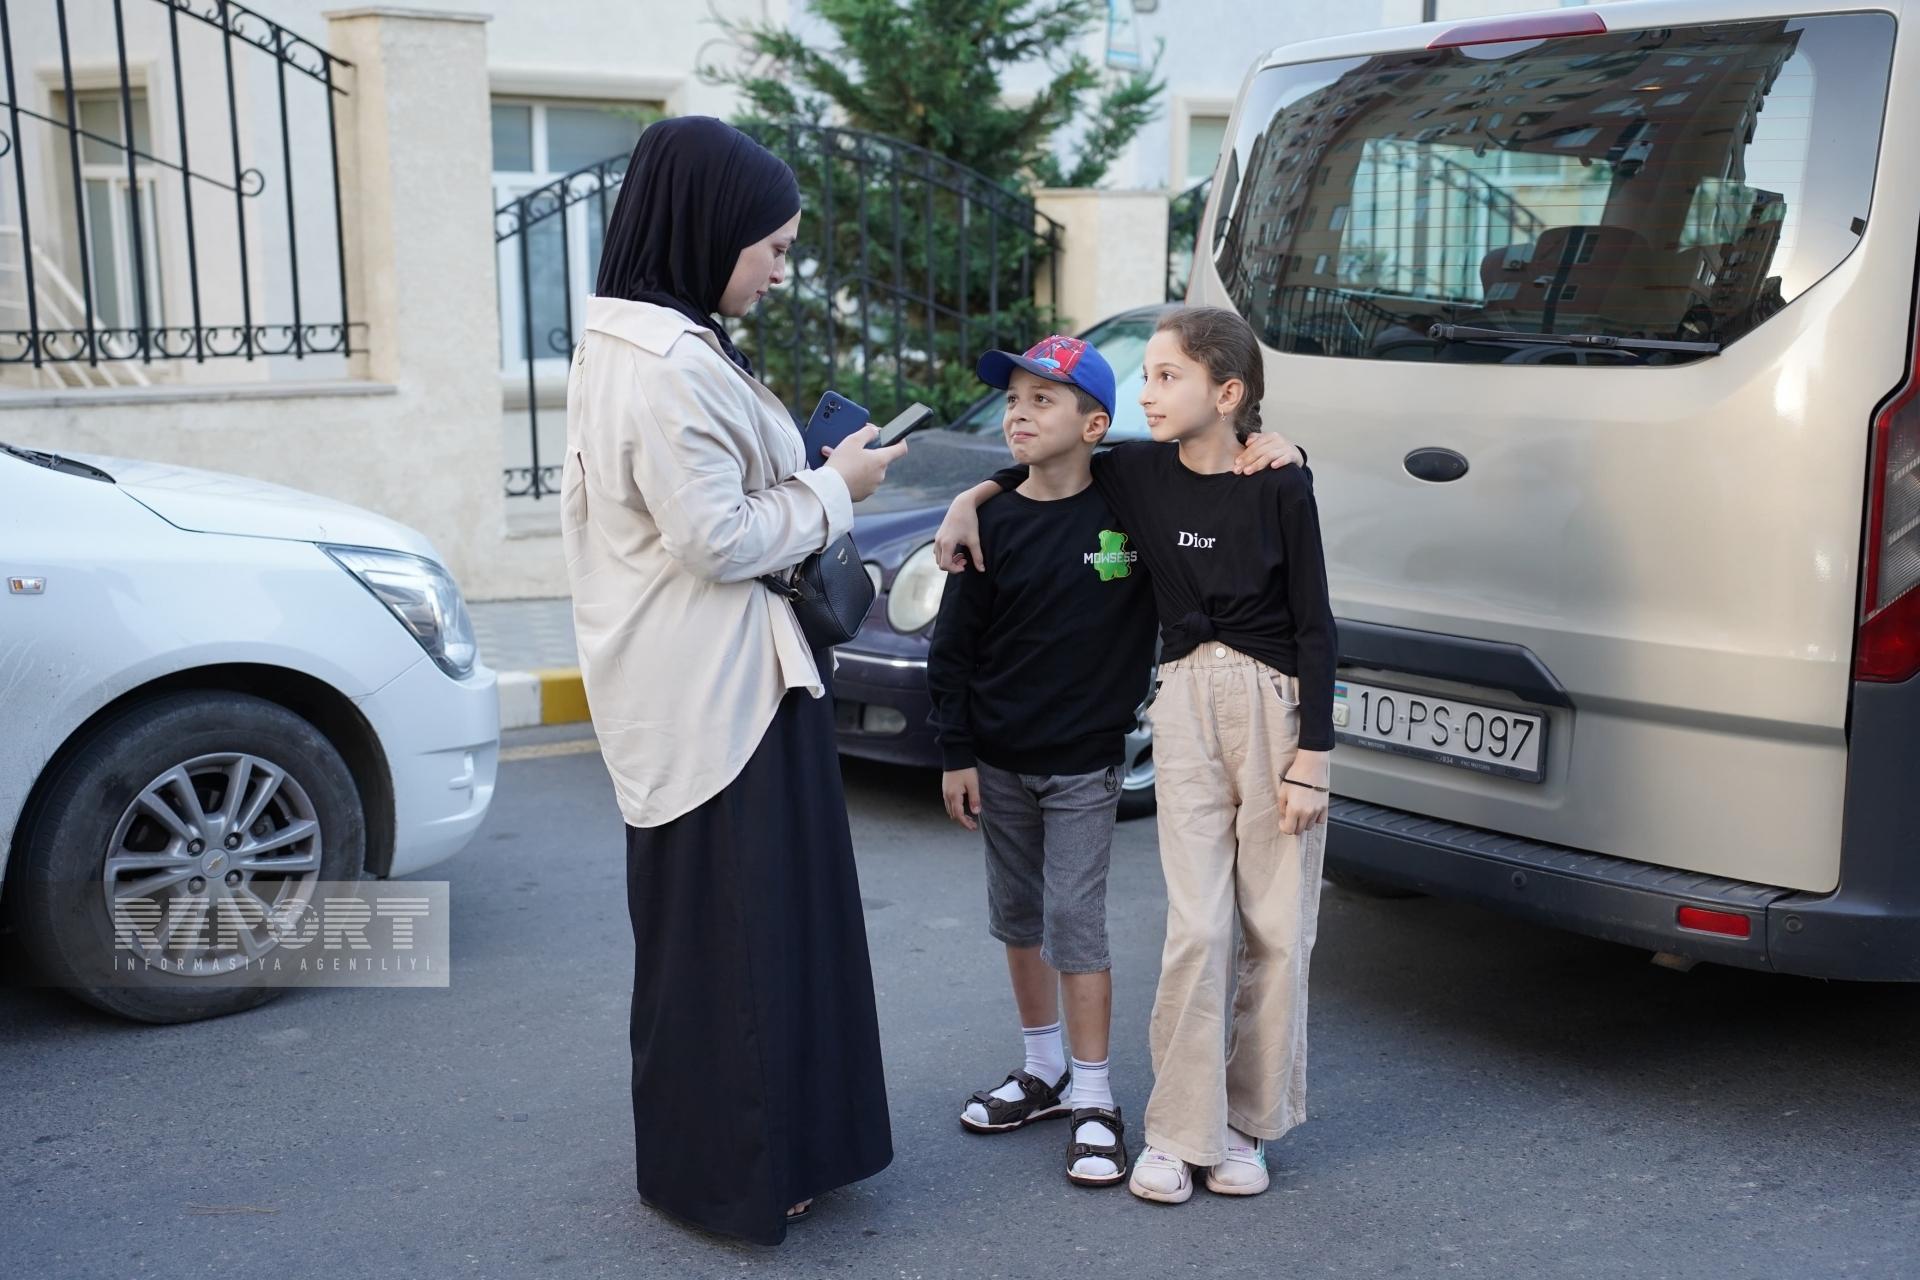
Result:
1038,664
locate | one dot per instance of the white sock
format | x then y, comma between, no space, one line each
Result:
1046,1055
1093,1087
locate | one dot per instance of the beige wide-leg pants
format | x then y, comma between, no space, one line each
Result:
1225,729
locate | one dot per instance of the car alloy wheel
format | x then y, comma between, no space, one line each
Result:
213,861
1137,772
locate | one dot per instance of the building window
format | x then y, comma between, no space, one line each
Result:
1205,136
535,143
109,212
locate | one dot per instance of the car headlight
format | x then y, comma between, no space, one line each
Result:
423,596
915,597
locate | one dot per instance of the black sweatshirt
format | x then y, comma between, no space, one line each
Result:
1039,662
1233,559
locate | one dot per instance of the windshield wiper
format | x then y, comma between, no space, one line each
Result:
1469,333
54,462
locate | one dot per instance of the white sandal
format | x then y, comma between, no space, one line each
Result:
1161,1177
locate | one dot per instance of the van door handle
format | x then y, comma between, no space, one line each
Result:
1436,465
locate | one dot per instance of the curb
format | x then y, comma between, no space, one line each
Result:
550,695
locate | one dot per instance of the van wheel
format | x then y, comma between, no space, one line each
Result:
1368,888
209,808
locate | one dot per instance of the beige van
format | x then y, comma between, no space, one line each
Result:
1599,326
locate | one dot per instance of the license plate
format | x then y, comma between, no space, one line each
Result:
1496,740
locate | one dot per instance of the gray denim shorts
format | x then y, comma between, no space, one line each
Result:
1049,841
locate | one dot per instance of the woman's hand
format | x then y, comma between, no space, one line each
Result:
862,468
1301,807
960,788
1266,449
961,529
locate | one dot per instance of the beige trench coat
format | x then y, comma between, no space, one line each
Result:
683,482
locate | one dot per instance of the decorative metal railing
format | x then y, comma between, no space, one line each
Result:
109,272
908,264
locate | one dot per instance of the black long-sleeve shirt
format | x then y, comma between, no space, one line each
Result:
1232,558
1039,662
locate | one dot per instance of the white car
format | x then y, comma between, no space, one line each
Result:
212,685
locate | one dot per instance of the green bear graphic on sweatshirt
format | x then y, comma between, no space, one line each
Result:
1113,560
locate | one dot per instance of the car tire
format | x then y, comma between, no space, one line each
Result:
90,808
1137,802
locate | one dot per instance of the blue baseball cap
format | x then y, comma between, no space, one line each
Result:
1057,358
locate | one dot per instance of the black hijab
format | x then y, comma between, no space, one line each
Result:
697,192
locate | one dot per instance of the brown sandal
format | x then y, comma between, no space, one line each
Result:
1115,1151
1038,1101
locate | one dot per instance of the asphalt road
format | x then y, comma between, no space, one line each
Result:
1488,1099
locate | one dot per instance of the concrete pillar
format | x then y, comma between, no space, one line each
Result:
417,185
416,172
1113,252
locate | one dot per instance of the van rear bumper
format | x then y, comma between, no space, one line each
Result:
1838,935
1620,900
1867,928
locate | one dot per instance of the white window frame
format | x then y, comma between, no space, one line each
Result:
509,184
1186,108
120,229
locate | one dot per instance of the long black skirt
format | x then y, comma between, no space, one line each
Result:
756,1052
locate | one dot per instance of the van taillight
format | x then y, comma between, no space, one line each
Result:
1888,647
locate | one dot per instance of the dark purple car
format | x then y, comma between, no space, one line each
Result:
881,685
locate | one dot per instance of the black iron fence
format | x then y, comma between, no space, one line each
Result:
907,266
156,223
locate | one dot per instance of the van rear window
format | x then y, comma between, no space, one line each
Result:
1682,184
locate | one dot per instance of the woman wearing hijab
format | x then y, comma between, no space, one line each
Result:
757,1082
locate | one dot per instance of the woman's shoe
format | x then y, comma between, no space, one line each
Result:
1160,1177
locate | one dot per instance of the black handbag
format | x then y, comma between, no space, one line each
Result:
830,592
